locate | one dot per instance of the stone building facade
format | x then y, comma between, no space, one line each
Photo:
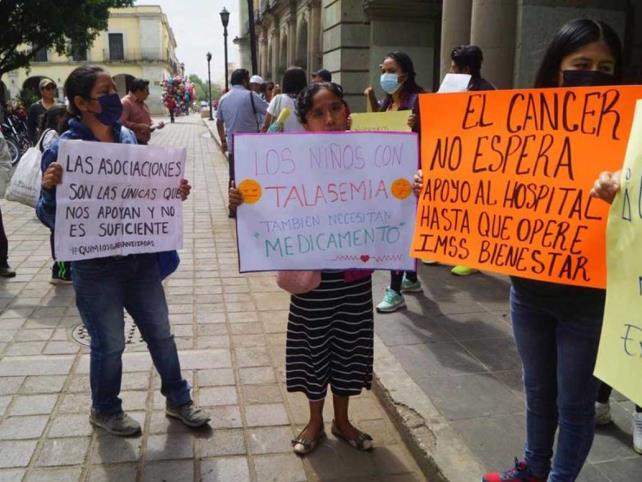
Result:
350,37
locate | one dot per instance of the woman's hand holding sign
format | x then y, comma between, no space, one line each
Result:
419,183
606,186
52,176
235,198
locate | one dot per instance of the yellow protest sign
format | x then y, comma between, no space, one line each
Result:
381,121
619,361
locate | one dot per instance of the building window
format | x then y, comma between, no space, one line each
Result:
78,52
40,55
116,49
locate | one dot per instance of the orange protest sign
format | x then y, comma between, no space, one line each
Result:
507,177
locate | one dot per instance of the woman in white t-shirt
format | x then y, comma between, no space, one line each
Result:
294,81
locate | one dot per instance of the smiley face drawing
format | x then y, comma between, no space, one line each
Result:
251,191
401,188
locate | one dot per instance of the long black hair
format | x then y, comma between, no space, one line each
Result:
571,37
294,81
79,83
305,100
470,56
410,86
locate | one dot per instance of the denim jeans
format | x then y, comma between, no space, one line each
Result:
557,339
104,288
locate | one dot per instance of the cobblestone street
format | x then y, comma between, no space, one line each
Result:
230,331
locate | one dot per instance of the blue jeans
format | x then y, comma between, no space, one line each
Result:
104,288
557,339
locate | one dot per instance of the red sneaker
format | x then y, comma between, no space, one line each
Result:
520,473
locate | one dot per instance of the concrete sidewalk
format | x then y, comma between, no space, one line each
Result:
455,343
230,331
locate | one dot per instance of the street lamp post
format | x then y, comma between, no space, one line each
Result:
209,83
225,19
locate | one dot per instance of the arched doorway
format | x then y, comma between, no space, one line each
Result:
301,58
123,81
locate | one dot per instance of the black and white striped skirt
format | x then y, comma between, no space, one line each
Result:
330,338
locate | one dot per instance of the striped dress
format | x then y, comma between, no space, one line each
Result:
330,338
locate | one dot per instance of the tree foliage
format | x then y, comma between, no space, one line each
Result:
200,88
30,25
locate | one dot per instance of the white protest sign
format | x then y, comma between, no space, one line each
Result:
314,201
118,199
454,83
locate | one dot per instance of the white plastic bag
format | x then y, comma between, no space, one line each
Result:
24,186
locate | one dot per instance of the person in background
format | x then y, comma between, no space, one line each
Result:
321,75
136,114
238,111
606,187
402,93
268,91
53,124
294,81
467,59
105,287
557,327
330,332
47,88
5,175
256,83
170,103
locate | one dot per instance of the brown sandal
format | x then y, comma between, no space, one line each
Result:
301,446
362,442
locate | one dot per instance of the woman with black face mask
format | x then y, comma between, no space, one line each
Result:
105,287
557,327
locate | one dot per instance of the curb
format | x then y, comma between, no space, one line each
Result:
439,451
211,130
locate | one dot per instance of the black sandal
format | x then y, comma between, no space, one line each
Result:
362,442
300,446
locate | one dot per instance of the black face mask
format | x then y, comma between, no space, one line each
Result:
586,78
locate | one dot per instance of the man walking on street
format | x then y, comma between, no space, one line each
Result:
238,111
136,114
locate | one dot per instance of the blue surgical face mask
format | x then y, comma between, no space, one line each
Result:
389,83
110,109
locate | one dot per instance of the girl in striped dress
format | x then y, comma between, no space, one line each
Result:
330,329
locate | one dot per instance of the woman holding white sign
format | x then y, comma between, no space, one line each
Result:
105,287
330,327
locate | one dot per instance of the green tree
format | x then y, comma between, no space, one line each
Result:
200,88
64,25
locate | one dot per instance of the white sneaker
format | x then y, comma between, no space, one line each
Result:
602,413
637,432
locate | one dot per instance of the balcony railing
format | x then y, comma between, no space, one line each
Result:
134,55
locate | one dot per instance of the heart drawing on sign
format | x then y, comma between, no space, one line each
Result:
365,258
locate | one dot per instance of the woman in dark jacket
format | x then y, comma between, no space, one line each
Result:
402,93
